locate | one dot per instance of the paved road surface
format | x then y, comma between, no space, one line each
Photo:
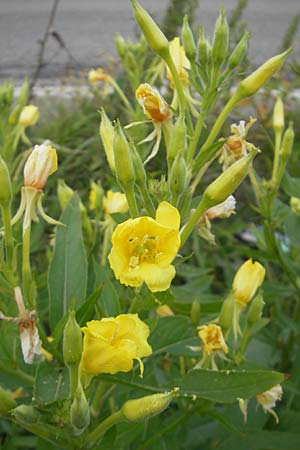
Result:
88,28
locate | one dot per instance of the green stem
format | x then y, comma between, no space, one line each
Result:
177,82
98,398
17,373
105,243
26,269
129,192
109,422
74,379
147,200
8,234
196,136
276,157
187,230
243,345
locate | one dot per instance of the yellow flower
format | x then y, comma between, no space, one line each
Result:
143,249
180,60
29,115
247,280
115,202
212,338
97,75
153,104
111,344
41,163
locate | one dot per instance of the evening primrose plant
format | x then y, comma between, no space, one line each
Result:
116,336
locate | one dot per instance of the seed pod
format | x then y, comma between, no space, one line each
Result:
188,40
143,408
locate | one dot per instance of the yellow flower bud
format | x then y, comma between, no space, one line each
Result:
107,134
278,115
41,163
115,202
221,188
164,311
181,62
154,36
5,184
212,338
7,403
258,78
153,104
111,344
143,408
247,280
72,341
29,115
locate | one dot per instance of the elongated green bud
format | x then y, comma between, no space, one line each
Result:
26,414
188,40
5,185
72,341
7,403
226,314
120,45
203,49
195,312
278,115
239,52
64,193
154,36
178,140
6,94
107,134
140,173
220,40
218,191
287,142
178,178
255,310
14,115
23,97
143,408
123,158
80,412
259,77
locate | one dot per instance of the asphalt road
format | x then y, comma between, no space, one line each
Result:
88,28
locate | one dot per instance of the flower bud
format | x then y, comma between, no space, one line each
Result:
6,94
295,205
29,116
80,412
220,40
258,78
204,50
96,197
120,45
188,40
255,310
143,408
226,314
26,414
178,178
23,97
41,163
155,37
239,52
72,341
178,140
164,311
107,134
247,280
7,403
5,185
14,115
221,188
123,158
278,116
64,193
287,142
195,312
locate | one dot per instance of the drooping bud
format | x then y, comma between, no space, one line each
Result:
29,116
228,181
72,341
80,412
5,185
259,77
220,40
278,115
178,140
143,408
188,40
255,310
239,52
7,403
107,134
155,37
41,163
26,414
123,158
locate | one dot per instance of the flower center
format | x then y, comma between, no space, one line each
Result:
143,249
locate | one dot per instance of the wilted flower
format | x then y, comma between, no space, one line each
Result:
143,249
96,75
41,163
269,398
221,211
115,202
29,115
111,344
236,145
247,280
212,338
180,60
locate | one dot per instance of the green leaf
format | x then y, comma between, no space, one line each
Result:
227,386
290,185
68,268
208,154
51,384
87,310
263,440
109,300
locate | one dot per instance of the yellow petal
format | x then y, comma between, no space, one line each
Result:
157,278
168,215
